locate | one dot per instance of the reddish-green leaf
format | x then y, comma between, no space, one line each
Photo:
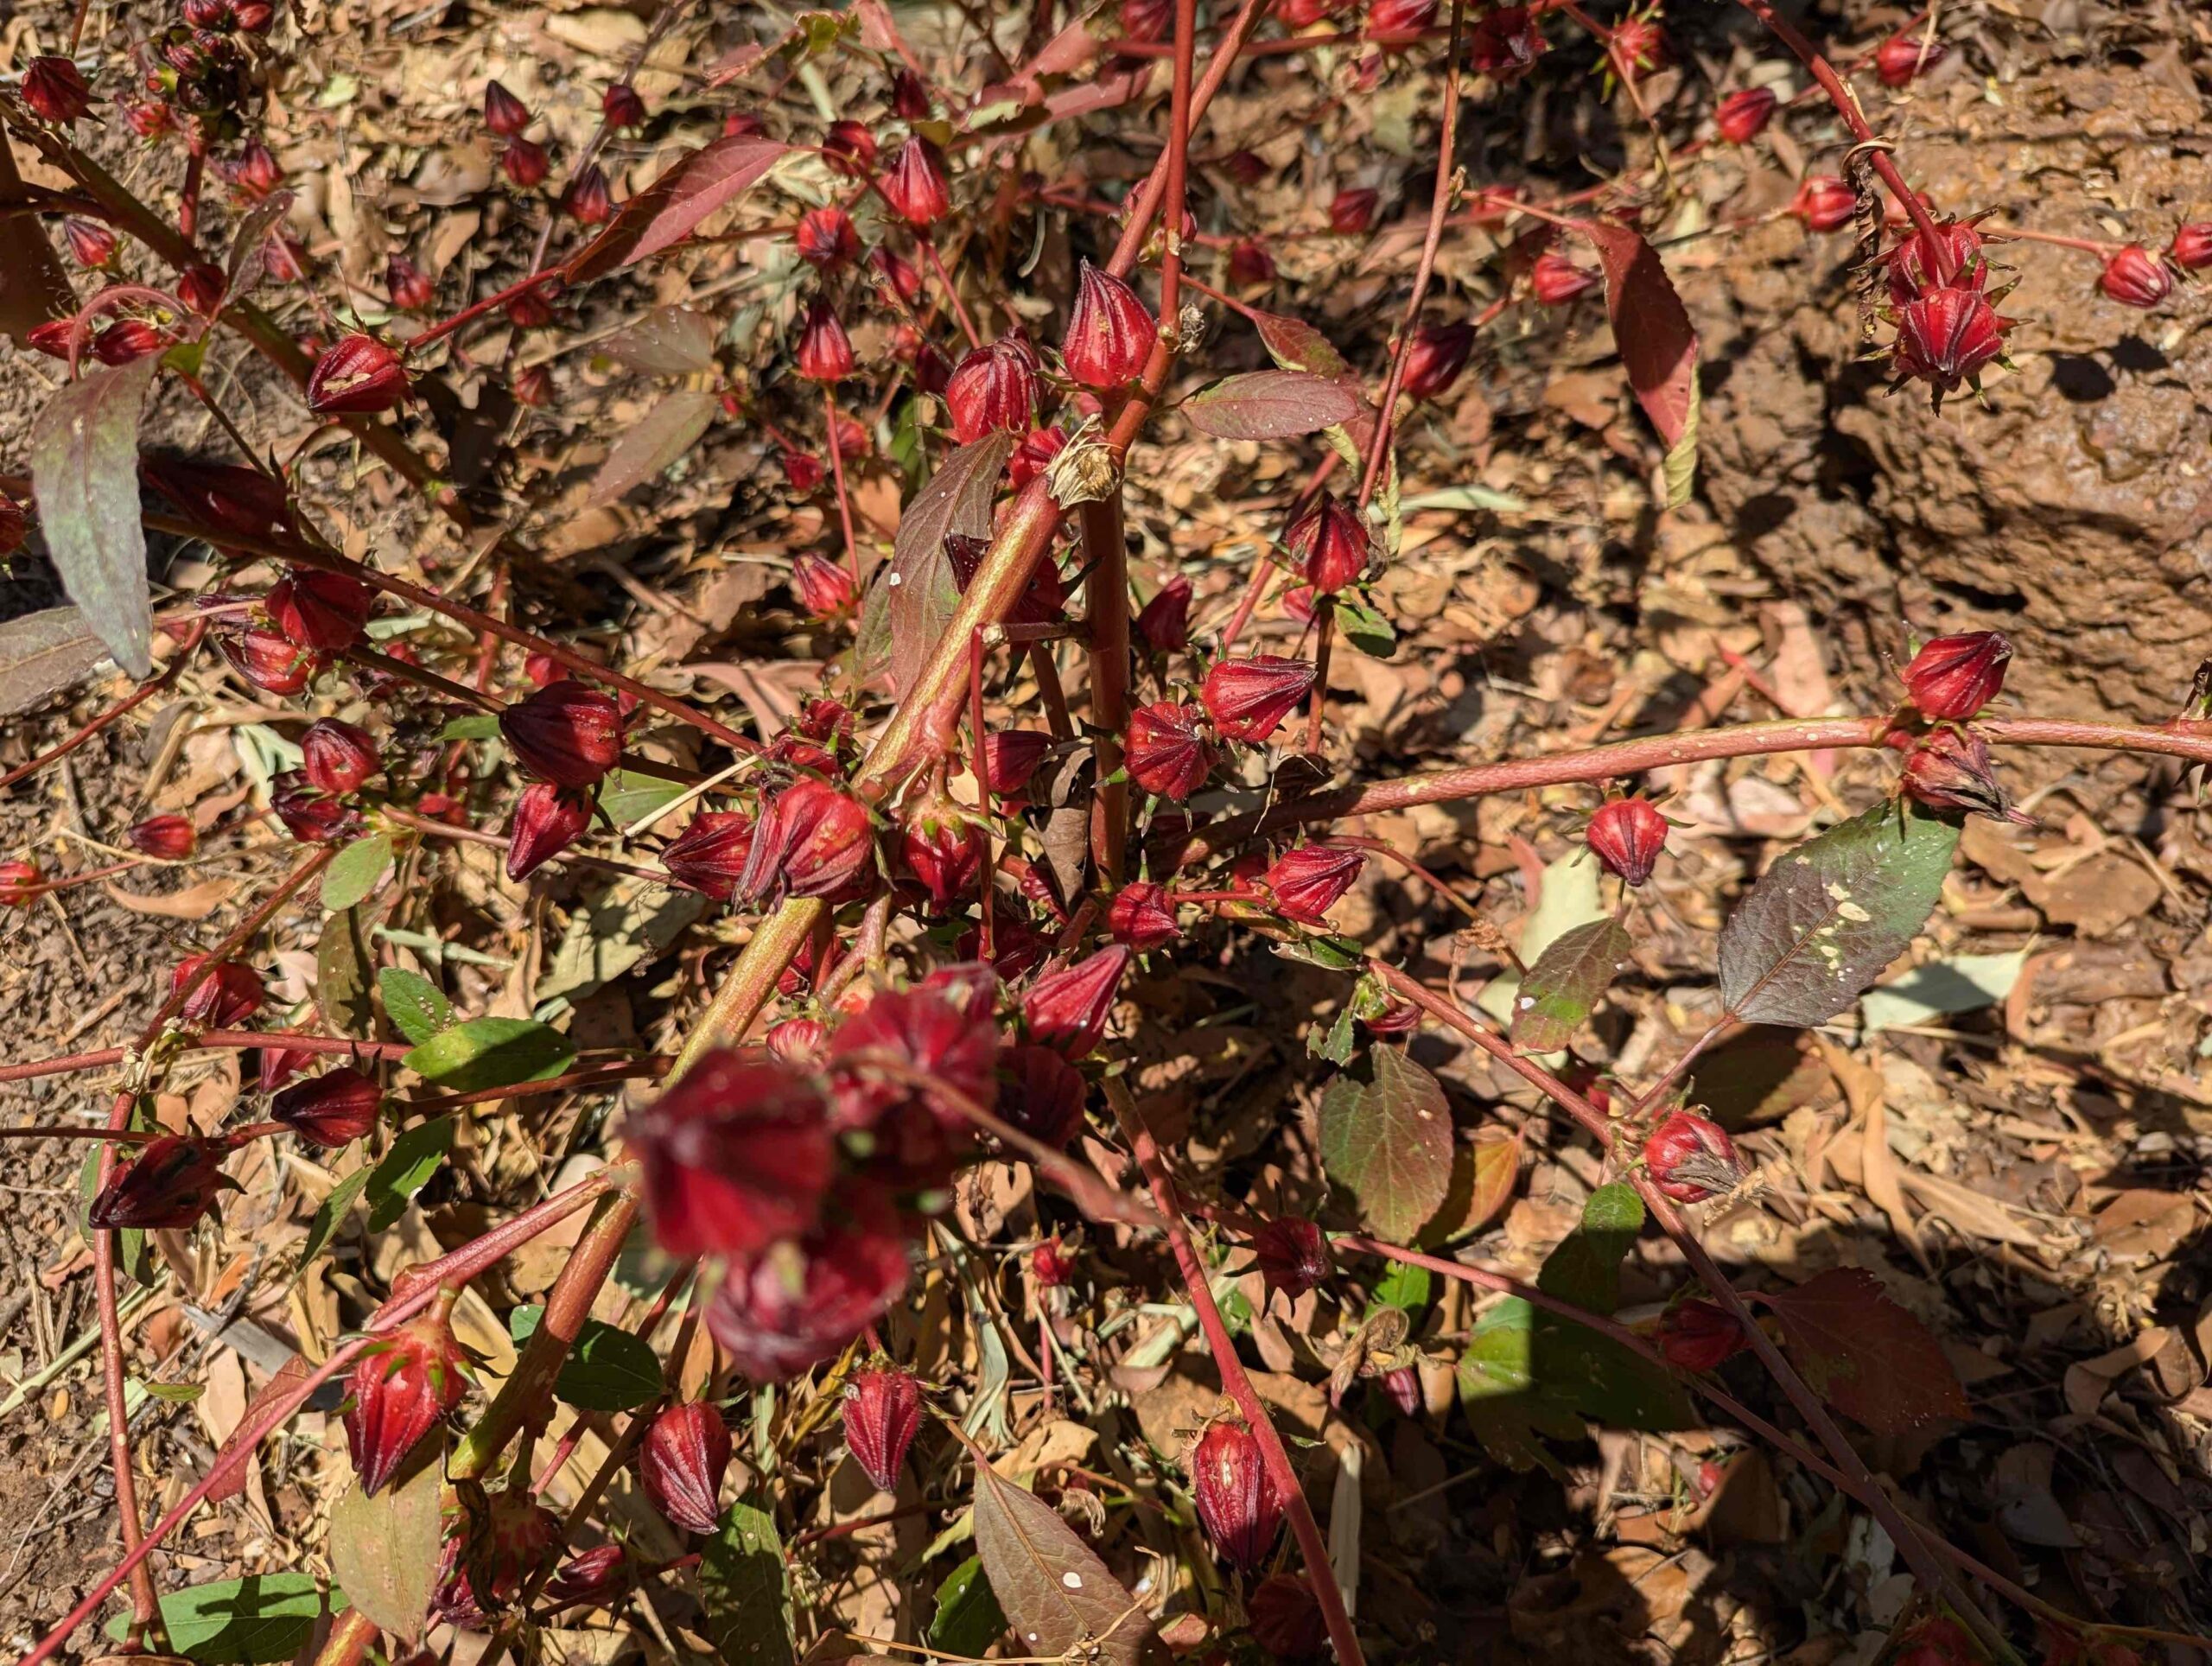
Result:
83,456
1296,344
1651,327
910,609
385,1550
1388,1143
1569,978
1056,1592
666,341
1867,1356
670,209
664,434
1271,405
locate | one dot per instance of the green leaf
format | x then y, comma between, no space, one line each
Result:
1055,1591
1464,498
331,1214
628,796
341,977
354,871
413,1004
1365,626
1388,1143
1586,1267
1527,1374
1566,980
84,459
968,1619
406,1169
1820,926
1331,954
385,1550
490,1053
1335,1043
263,1616
746,1592
471,726
608,1369
1403,1285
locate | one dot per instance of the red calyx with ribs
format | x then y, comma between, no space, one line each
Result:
403,1386
1305,883
547,819
336,757
1237,1500
1068,1008
1164,752
1142,915
883,1413
1628,834
1109,334
993,388
171,1182
1743,115
1697,1336
331,1110
1291,1254
682,1461
1952,678
1330,544
359,377
170,838
223,1000
1691,1158
568,733
735,1156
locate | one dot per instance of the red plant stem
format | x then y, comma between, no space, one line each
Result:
71,882
477,309
1289,44
128,704
351,1635
432,828
210,1041
837,472
595,1076
1179,168
1198,1285
986,800
2088,245
952,290
1105,548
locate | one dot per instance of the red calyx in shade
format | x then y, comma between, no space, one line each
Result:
823,587
1163,623
941,1035
798,1304
1068,1008
14,526
280,1065
528,311
401,1388
2192,247
1011,757
533,386
128,339
567,733
1403,1386
944,851
331,1110
797,1041
547,819
1237,1505
1035,454
1050,1265
1938,1641
505,1546
1142,915
748,124
286,257
1914,263
1248,699
1109,333
19,883
1945,335
1824,203
202,287
2136,277
91,244
825,352
1952,678
525,164
883,1413
54,91
1397,20
914,183
408,284
171,1182
360,376
1952,770
812,841
735,1156
337,756
1287,1618
910,99
1041,1093
1164,752
993,388
323,611
1627,835
1903,58
1696,1335
310,815
503,113
1505,44
1691,1158
1352,211
899,273
1743,114
1305,883
682,1461
621,106
1250,264
589,201
1146,20
1290,1255
1554,279
596,1578
1329,543
170,837
1434,357
709,855
224,998
255,175
825,238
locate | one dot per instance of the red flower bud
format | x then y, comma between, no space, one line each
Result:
1352,211
202,287
1146,20
993,388
529,311
525,164
1952,770
883,1413
1011,757
149,121
286,257
91,244
1743,115
1691,1158
825,352
1399,20
781,1312
914,184
1945,335
408,285
1109,333
504,1547
359,377
797,1041
1954,676
801,470
547,819
1696,1335
1506,44
503,113
2192,247
825,238
709,855
19,883
568,733
1434,357
1554,279
1068,1008
1050,1265
171,1183
223,1000
1824,203
325,611
887,1062
255,175
812,841
1903,58
1041,1094
1035,454
746,124
897,272
1164,752
682,1461
1237,1500
735,1156
54,91
1305,883
1249,264
1330,544
401,1388
170,837
310,814
1248,699
1142,915
620,107
128,339
1287,1618
1627,834
944,851
1164,624
588,198
1291,1254
597,1578
333,1109
2136,277
910,99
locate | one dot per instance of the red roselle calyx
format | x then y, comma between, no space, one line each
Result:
1147,20
128,339
825,352
849,148
1697,1336
587,200
1248,699
54,91
1352,211
1920,263
993,388
2136,277
1638,44
1330,544
1041,1094
1434,357
1946,336
1290,1255
268,660
1287,1618
1142,915
324,611
533,387
360,376
333,1109
1398,21
220,497
1691,1158
797,1041
594,1578
408,285
503,113
19,883
1903,58
1627,835
1050,1265
1109,333
1505,43
1743,115
567,733
1164,753
826,238
337,757
914,184
547,819
1237,1500
310,815
1554,279
168,838
223,1000
1952,678
1068,1008
91,244
711,854
883,1413
1011,757
171,1182
823,587
1164,624
1824,203
2192,247
202,287
944,851
1305,883
1952,770
735,1156
400,1389
779,1312
811,841
682,1461
621,107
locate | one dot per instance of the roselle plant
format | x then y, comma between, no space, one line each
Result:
1032,783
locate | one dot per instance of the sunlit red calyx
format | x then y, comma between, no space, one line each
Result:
1824,203
19,883
812,841
1305,883
403,1386
331,1110
1628,835
1638,44
681,1463
1952,678
2192,247
337,757
798,1302
826,238
735,1156
547,819
1290,1255
1248,699
360,376
2136,277
1237,1500
167,837
1698,1336
943,850
588,198
1920,263
223,1000
823,587
568,733
169,1182
1743,115
1330,544
825,352
1505,42
1068,1008
1946,337
1555,280
709,855
904,1072
91,244
1142,915
1398,21
1691,1158
1110,334
310,814
1352,211
1434,357
993,388
1950,769
1011,757
1903,58
268,660
1147,19
621,107
883,1413
914,184
54,91
1164,753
